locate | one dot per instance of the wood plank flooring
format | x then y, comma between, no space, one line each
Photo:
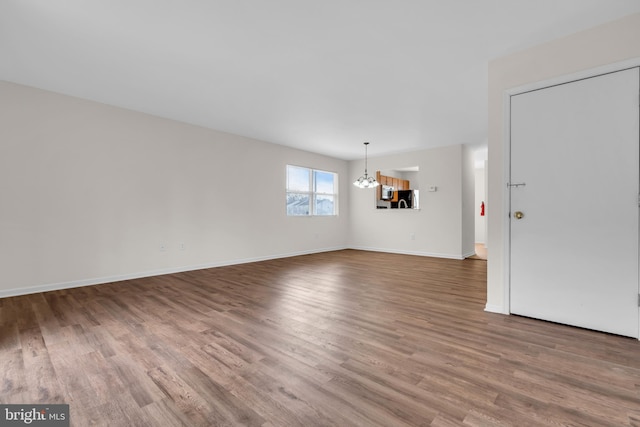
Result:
346,338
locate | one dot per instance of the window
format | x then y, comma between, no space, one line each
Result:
311,192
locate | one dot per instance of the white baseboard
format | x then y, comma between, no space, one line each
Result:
468,254
4,293
403,252
491,308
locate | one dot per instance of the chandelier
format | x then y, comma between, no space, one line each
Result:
365,181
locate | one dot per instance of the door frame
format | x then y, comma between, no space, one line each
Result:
506,175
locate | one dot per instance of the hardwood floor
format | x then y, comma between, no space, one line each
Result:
345,338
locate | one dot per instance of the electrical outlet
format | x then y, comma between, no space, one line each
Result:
163,247
412,236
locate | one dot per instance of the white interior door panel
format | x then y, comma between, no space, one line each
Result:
574,251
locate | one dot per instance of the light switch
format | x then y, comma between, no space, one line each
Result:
433,188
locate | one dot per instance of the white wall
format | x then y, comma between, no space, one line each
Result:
89,193
439,228
606,44
468,202
480,196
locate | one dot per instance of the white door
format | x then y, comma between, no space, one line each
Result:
574,251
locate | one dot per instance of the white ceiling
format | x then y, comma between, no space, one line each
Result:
321,75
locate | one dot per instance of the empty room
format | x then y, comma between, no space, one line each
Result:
337,213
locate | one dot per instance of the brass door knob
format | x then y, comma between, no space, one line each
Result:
518,215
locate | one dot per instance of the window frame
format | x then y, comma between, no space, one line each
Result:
311,191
